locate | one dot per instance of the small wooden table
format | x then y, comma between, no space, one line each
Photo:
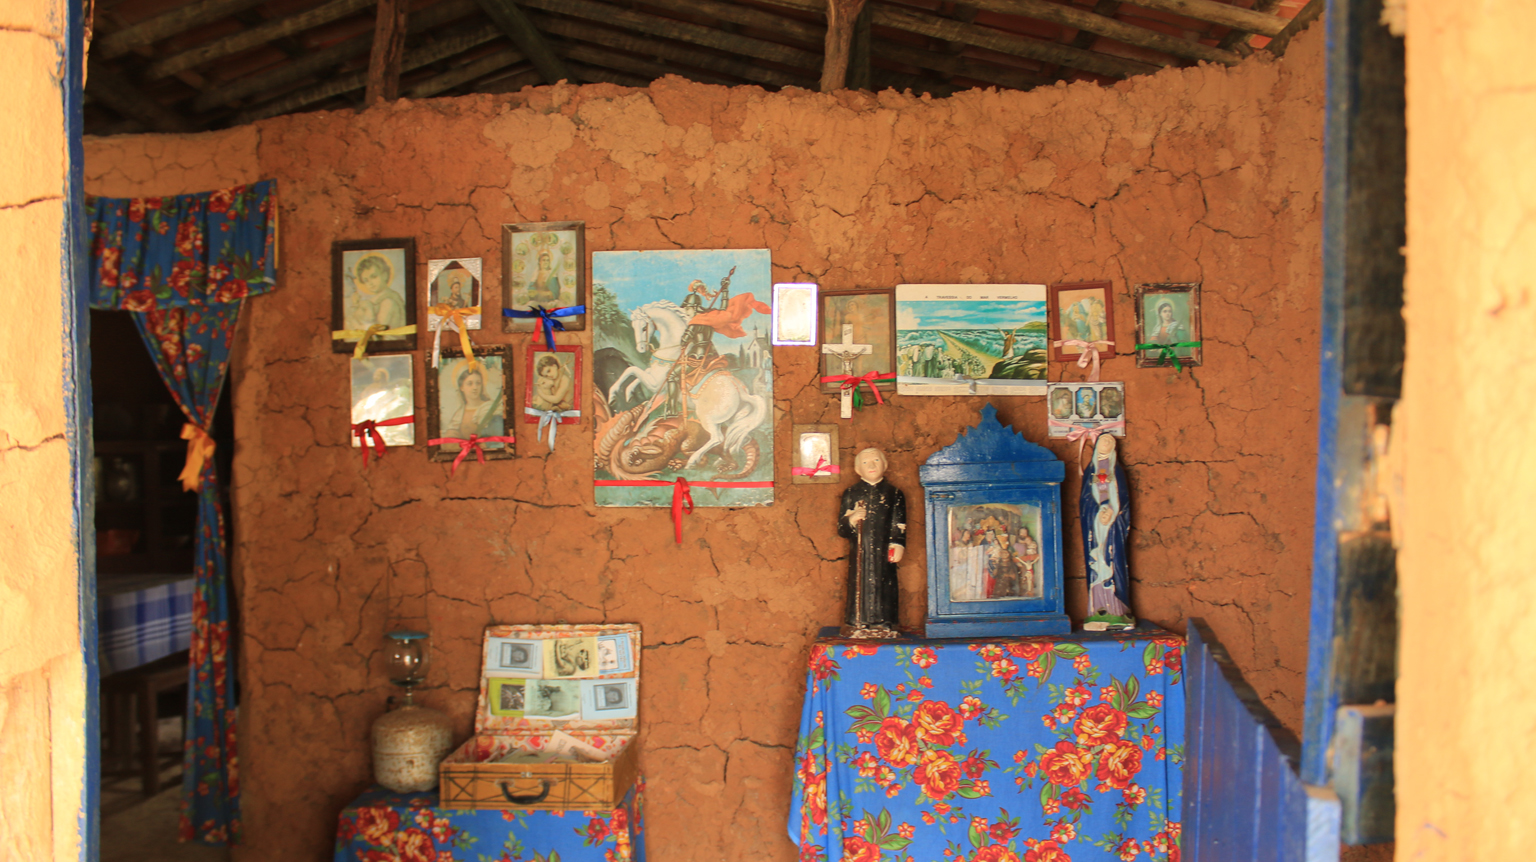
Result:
143,684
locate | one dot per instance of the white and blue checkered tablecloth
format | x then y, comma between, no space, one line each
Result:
142,619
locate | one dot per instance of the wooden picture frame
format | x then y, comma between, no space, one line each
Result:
561,393
447,403
386,295
543,264
812,444
454,283
1081,311
1181,325
863,308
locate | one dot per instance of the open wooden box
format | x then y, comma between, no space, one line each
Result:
521,669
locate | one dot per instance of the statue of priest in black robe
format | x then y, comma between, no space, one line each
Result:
874,515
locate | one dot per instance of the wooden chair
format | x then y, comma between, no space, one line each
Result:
143,684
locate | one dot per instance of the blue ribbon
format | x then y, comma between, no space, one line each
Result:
550,323
550,419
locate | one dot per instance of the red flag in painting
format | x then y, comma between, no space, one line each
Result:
727,321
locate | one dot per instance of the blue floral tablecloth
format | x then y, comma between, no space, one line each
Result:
384,826
1041,749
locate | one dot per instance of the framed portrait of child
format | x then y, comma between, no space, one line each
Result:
373,282
552,388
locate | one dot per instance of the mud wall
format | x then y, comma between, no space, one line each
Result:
1204,174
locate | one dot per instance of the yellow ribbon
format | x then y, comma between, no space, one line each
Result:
456,316
199,450
361,336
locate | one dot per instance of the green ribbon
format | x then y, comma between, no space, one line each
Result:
858,400
1166,351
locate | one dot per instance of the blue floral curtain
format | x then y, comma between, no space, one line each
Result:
183,265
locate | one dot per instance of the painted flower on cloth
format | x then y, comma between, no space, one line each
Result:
415,845
856,849
937,723
377,824
1065,765
938,774
897,740
1099,724
1119,763
1046,851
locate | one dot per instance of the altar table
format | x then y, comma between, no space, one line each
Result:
384,826
1021,749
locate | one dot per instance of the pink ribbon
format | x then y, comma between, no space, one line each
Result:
465,446
1081,434
822,468
1089,353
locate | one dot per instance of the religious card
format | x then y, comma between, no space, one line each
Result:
382,389
994,552
552,388
570,658
613,654
816,455
508,697
794,315
1091,406
1083,313
858,317
603,699
971,339
544,264
453,285
465,400
373,283
514,657
1168,325
682,377
553,699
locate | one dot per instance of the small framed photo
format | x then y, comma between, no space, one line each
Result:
1093,406
543,264
373,281
553,699
570,658
382,389
603,699
453,284
552,384
794,315
1081,312
816,455
1168,314
508,697
514,657
462,401
613,654
871,312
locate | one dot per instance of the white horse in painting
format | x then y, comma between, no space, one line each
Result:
722,405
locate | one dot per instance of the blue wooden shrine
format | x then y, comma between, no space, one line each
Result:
993,501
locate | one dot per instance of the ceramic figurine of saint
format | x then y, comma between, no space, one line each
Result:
874,516
1104,513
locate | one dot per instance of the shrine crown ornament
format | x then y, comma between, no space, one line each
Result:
993,504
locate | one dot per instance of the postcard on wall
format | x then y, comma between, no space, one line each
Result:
603,699
1083,312
464,400
794,315
453,284
507,697
514,657
373,282
382,389
864,316
1168,315
1092,406
682,376
553,698
613,654
570,658
543,264
971,339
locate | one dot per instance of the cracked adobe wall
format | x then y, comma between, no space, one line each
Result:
1203,174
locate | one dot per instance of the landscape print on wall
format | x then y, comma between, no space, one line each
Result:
971,339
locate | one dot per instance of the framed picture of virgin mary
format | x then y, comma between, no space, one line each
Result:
464,400
543,264
1168,316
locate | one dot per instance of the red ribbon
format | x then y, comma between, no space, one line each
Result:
850,381
682,503
465,446
370,427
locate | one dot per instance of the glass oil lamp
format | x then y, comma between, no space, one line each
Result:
409,741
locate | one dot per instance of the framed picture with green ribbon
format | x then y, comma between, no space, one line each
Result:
1168,325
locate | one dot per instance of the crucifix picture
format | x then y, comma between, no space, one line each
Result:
847,351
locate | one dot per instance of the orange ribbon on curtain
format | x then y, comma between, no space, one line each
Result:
455,317
199,450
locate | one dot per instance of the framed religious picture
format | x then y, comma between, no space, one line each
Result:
871,312
552,388
1168,316
682,376
816,455
993,505
794,315
543,264
373,282
971,339
1082,312
453,285
382,390
1098,407
465,398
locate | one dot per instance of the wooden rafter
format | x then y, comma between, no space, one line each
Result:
960,67
595,56
1237,40
1220,13
1110,28
388,49
247,39
177,20
473,70
513,22
841,17
1309,13
111,88
1008,43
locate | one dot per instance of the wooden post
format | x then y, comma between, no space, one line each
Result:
388,48
860,72
842,15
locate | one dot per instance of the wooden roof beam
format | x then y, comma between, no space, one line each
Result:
387,49
247,39
1110,28
1309,13
511,82
471,71
1219,13
842,15
111,88
1237,40
527,38
594,56
178,20
609,76
961,67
